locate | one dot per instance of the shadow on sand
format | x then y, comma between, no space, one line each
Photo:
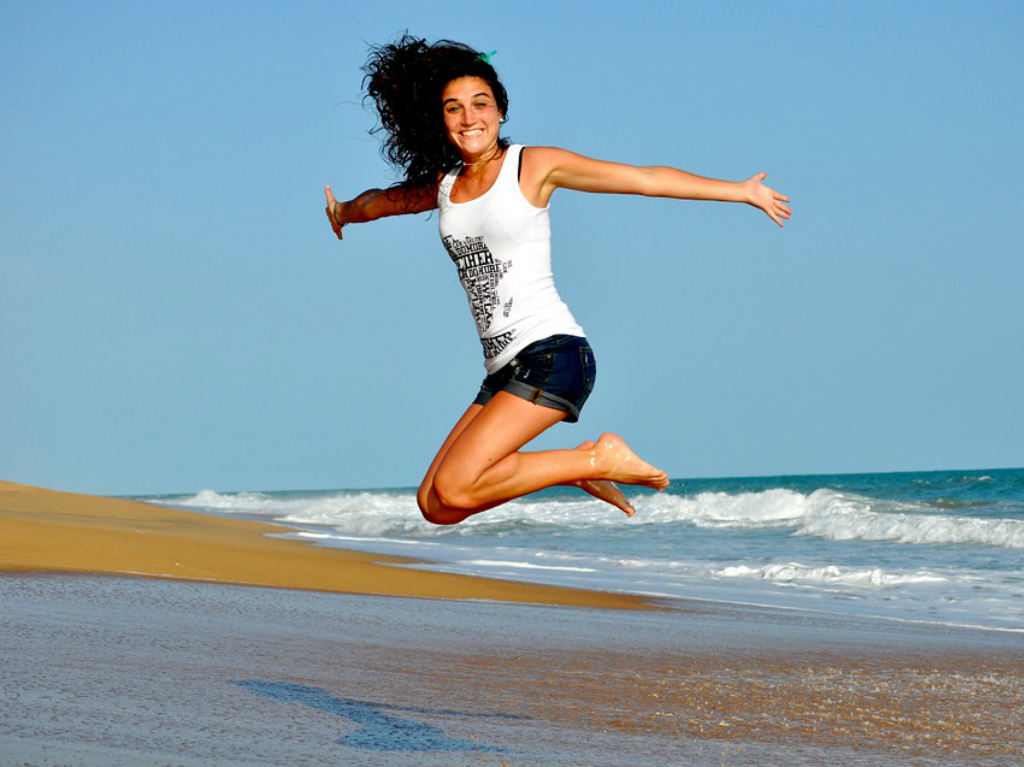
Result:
379,731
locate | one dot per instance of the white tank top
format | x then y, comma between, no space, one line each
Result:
501,246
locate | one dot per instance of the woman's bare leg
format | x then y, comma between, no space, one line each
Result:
430,506
479,467
602,489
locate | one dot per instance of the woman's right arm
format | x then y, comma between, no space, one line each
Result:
377,203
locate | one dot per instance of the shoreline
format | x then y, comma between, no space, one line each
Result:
44,530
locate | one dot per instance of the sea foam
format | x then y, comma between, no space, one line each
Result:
829,574
823,513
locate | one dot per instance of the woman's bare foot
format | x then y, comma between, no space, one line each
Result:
604,489
607,491
617,462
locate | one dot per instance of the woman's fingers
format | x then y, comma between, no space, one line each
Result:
771,202
331,202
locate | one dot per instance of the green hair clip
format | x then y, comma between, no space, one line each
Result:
486,57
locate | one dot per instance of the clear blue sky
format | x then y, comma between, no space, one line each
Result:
176,315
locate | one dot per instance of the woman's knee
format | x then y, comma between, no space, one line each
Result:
452,490
433,510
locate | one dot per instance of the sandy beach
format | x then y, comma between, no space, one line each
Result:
47,530
239,648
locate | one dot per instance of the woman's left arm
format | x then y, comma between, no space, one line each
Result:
546,169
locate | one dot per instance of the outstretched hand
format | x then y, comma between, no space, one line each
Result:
767,199
331,203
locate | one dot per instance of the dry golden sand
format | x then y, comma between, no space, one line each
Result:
50,531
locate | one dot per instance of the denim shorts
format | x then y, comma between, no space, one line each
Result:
556,372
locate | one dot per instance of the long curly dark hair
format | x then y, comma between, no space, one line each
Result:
404,80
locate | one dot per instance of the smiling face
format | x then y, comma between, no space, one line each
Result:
471,117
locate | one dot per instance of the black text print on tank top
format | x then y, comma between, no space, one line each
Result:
480,272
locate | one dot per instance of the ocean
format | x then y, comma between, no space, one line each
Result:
940,547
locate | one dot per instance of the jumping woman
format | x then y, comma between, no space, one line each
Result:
441,107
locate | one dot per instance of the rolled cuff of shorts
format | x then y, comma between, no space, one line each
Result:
541,397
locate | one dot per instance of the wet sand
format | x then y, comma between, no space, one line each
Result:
103,670
112,670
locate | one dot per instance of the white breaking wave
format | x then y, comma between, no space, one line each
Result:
831,515
840,518
824,513
830,574
236,502
769,508
366,513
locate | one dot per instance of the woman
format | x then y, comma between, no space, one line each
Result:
441,106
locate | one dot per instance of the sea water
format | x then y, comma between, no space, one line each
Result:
944,547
